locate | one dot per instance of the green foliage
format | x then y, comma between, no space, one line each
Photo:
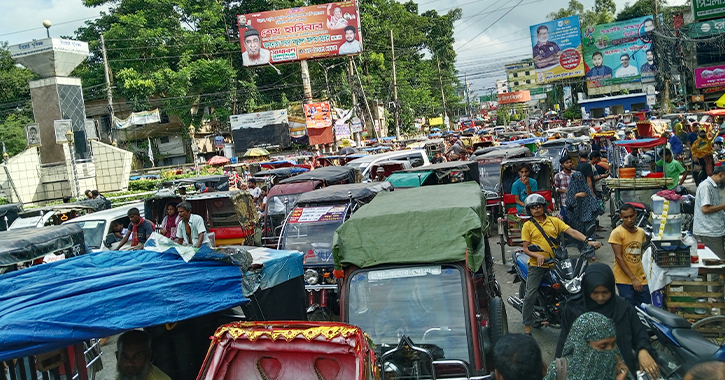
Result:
143,185
572,113
601,13
15,108
4,201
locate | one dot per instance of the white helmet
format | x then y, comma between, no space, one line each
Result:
534,200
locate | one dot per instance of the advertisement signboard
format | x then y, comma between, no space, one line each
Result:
319,123
260,129
557,49
316,31
705,29
705,9
618,53
710,76
514,97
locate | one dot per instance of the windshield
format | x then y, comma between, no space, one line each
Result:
276,204
93,232
29,222
357,165
310,230
424,303
489,176
554,153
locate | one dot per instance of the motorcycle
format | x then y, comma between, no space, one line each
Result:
678,345
643,213
688,207
563,280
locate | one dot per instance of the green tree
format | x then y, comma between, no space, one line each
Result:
15,106
601,13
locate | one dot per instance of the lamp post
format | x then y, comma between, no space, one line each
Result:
71,148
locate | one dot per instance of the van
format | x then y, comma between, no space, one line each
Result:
96,226
416,157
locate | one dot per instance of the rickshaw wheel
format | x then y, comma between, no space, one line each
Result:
497,320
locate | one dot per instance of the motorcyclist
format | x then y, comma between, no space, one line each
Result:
536,207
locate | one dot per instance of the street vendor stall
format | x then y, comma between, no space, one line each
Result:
652,128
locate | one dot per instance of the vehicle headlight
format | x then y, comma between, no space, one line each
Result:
573,286
312,277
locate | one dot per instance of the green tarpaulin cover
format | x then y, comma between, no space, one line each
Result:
400,180
429,224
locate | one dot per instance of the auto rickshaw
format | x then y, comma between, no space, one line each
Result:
272,176
8,214
290,350
309,228
426,285
436,174
510,223
56,214
282,196
555,149
211,182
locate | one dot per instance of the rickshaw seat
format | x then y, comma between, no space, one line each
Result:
509,201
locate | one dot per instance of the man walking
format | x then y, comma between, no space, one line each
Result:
709,221
626,241
561,181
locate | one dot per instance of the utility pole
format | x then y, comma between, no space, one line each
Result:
663,62
395,90
443,95
465,88
365,99
351,81
306,86
109,92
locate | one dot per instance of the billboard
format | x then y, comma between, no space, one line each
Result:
260,129
514,97
618,53
706,9
557,49
319,123
286,35
710,76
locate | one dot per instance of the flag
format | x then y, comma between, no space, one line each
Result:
151,153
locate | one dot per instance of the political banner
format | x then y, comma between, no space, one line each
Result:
618,53
710,76
557,49
319,123
315,31
138,118
258,119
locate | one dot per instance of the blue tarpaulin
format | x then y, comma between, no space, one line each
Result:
55,305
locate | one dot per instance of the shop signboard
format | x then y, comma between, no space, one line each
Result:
706,9
514,97
705,29
711,76
618,53
286,35
557,49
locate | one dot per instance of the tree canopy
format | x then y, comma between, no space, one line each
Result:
601,13
15,106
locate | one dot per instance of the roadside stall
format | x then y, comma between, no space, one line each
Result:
652,128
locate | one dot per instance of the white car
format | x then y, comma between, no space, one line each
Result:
416,157
96,226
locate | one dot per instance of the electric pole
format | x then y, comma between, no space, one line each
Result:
109,92
395,89
351,80
443,95
465,88
663,63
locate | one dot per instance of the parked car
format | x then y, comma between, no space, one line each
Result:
416,157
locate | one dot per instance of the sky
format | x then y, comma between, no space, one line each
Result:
490,34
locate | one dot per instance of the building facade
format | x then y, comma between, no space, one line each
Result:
521,75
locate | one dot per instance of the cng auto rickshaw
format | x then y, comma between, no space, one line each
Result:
426,284
309,228
510,223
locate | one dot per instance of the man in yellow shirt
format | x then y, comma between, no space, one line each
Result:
626,241
536,207
133,358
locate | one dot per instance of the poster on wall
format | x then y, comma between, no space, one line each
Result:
710,76
286,35
260,129
557,49
619,53
319,123
32,134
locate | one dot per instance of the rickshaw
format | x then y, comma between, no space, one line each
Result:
555,149
283,195
309,228
8,214
651,128
428,286
289,350
530,143
211,182
272,176
230,216
179,305
489,169
38,245
510,223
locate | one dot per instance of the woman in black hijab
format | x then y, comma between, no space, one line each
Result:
598,295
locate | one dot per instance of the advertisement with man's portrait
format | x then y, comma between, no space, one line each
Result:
315,31
619,53
557,49
32,134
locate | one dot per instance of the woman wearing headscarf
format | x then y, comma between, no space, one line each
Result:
598,295
581,205
170,221
590,352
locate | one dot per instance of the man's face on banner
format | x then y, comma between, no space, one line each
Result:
543,35
349,35
252,45
597,60
650,56
624,60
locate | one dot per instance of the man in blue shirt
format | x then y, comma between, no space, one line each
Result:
599,71
675,143
523,187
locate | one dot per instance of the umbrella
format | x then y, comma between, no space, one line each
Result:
435,129
347,150
218,161
550,113
256,152
345,142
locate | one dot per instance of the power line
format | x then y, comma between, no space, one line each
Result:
494,23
